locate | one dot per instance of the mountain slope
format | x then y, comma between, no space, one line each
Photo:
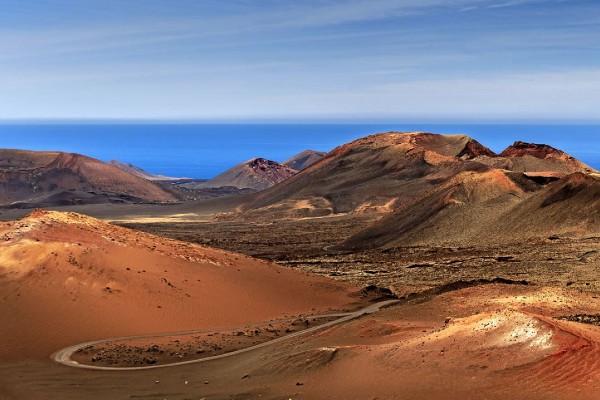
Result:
74,278
132,169
34,177
304,160
386,171
378,172
458,210
257,174
490,209
569,207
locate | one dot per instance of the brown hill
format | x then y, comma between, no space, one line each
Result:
305,159
377,172
568,207
31,177
389,170
132,169
489,208
67,278
256,174
460,209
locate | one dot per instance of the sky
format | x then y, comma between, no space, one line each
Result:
301,60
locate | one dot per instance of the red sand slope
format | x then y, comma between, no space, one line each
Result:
67,278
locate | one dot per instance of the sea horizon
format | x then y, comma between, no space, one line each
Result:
203,150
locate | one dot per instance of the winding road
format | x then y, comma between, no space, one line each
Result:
64,356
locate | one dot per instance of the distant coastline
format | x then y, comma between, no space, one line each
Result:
202,151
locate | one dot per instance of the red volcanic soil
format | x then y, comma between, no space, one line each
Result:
29,176
493,342
66,278
537,160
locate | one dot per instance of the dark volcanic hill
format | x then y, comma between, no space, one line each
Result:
537,160
305,159
256,174
132,169
30,178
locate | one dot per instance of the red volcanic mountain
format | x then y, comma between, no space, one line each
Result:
31,178
256,174
438,189
378,172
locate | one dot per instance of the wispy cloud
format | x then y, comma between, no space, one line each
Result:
180,57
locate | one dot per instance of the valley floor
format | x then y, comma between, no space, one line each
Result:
491,322
308,244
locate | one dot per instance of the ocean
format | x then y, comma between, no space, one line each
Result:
205,150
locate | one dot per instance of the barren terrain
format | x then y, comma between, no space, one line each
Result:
399,266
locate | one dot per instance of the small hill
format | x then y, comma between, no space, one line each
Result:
457,211
257,174
67,278
132,169
305,159
568,207
29,178
489,208
537,160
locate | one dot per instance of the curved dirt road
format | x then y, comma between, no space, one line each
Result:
64,356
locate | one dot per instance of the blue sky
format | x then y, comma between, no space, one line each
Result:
278,60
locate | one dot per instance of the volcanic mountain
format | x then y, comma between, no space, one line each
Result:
256,174
386,171
67,278
305,159
377,172
31,178
132,169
